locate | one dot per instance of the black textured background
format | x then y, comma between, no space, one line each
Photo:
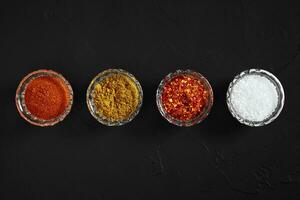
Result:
149,158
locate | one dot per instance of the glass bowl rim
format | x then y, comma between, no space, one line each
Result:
201,116
280,91
99,77
21,106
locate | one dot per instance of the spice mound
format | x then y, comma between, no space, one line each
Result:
46,97
255,97
184,97
116,97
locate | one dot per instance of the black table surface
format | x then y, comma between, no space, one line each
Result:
149,158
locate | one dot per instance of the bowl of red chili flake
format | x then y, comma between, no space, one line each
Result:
44,98
184,98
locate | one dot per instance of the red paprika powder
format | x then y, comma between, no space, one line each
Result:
46,97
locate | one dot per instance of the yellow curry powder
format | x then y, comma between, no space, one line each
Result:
116,97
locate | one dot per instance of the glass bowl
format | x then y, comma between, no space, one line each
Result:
20,98
91,105
201,116
280,93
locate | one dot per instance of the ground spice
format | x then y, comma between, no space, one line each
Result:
184,97
116,97
46,97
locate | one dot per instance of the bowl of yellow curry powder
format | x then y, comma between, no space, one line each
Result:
114,97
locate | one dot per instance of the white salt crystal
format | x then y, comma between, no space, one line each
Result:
254,97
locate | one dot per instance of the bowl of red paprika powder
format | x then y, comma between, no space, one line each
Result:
44,98
184,98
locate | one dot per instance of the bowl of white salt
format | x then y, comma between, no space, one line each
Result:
255,97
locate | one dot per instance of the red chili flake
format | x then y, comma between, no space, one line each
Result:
184,97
